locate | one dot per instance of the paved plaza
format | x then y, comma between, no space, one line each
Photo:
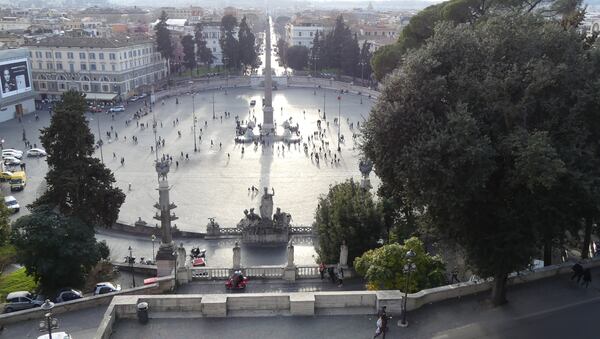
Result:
211,183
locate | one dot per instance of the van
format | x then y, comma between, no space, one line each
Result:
18,181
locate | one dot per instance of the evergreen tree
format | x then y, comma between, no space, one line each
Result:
229,44
247,50
365,69
282,51
297,57
202,51
189,53
350,56
316,52
163,37
56,250
77,183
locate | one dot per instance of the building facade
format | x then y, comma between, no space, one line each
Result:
16,88
301,34
112,68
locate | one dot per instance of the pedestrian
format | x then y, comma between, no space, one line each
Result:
577,272
122,161
382,320
227,155
151,149
322,270
114,155
129,188
176,164
187,156
340,276
587,277
220,145
454,275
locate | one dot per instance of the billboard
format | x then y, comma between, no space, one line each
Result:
14,77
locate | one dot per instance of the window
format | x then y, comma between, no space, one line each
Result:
124,55
69,55
83,67
92,56
101,56
129,54
49,65
61,86
43,85
49,55
58,55
40,65
38,54
104,88
86,87
72,68
92,67
134,53
112,56
311,33
114,67
299,33
103,67
81,55
59,66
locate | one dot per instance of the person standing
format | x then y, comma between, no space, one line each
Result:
322,270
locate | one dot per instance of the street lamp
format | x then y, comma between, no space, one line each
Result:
153,238
194,117
131,266
324,94
49,323
339,121
408,268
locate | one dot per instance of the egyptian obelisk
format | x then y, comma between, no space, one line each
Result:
267,126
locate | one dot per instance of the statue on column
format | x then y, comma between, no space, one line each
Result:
266,204
343,254
290,254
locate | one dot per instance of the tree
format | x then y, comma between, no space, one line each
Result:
77,183
163,37
347,213
489,129
189,53
282,51
383,267
57,250
365,70
204,53
247,50
178,55
4,224
316,52
421,25
229,44
297,57
350,56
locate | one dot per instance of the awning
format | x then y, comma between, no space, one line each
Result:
100,96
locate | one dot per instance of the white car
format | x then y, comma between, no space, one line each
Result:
13,150
106,287
36,152
12,204
117,109
12,154
134,98
8,160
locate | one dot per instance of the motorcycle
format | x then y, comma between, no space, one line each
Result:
236,281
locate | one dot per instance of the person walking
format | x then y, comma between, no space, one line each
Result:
322,270
587,277
577,272
382,319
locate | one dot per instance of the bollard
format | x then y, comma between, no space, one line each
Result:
142,313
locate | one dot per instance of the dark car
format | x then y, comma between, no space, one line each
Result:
68,294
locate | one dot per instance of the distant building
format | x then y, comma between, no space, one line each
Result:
301,34
14,24
11,40
16,89
181,12
103,68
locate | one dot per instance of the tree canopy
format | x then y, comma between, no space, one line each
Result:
491,130
229,44
58,251
203,53
383,267
189,52
297,57
247,46
347,213
77,183
163,37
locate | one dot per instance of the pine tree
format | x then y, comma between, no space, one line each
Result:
247,51
315,53
189,53
163,37
203,53
77,183
365,61
350,56
229,44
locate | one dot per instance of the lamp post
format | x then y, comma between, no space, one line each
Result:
213,105
362,80
131,265
339,121
48,323
324,94
153,238
194,117
408,268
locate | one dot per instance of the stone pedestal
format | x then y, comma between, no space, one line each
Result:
237,257
289,273
166,260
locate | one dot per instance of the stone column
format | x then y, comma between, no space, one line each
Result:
237,257
267,125
289,272
343,254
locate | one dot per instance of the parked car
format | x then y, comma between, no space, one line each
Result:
134,98
36,152
12,204
12,150
56,335
252,102
95,109
6,175
106,287
10,160
13,154
22,300
116,109
68,294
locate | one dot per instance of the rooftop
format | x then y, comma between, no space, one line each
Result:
98,42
